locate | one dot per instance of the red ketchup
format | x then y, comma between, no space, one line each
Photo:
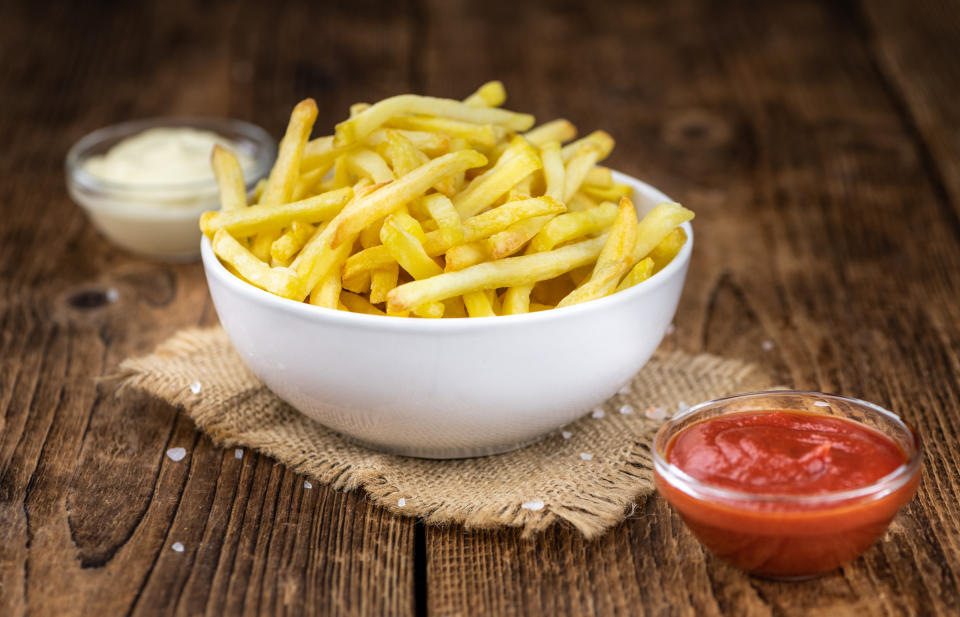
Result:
785,494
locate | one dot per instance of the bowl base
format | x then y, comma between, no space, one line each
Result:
441,452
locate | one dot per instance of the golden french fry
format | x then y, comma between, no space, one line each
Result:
367,163
248,221
517,162
407,250
286,246
431,144
262,242
258,189
359,284
508,272
382,281
614,260
577,168
356,108
600,139
478,135
402,154
573,225
364,123
656,225
536,307
478,304
361,212
430,310
490,94
664,252
559,130
285,171
446,216
226,169
599,176
358,304
280,281
639,273
610,193
465,255
327,293
581,202
308,182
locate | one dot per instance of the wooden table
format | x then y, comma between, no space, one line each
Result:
818,142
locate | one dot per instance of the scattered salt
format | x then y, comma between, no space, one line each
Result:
112,295
625,389
402,502
195,387
655,413
177,547
626,409
767,345
586,456
566,434
306,484
176,454
534,505
238,453
682,406
597,413
822,404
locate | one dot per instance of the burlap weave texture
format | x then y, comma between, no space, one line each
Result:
587,475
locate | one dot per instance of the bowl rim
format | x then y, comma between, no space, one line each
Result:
266,148
703,491
213,268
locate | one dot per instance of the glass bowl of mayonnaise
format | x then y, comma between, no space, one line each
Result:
145,183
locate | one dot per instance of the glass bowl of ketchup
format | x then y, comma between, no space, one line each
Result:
786,484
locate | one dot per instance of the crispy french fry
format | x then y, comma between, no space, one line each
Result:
407,250
600,139
261,243
327,293
226,169
258,190
478,135
286,246
599,176
431,144
518,162
478,304
359,284
508,272
465,255
610,193
664,252
614,261
364,123
357,108
442,211
285,171
656,225
280,281
430,310
490,94
639,273
382,281
361,212
367,163
573,225
401,153
559,130
577,168
308,182
248,221
359,304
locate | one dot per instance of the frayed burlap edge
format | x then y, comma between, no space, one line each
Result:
587,475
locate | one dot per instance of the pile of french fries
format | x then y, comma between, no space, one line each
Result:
429,207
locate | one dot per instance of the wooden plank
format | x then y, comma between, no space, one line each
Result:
819,232
90,506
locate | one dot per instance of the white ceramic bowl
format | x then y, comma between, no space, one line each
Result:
449,388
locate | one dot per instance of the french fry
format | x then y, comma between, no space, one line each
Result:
431,144
327,293
600,139
430,310
286,246
664,252
609,193
600,177
442,211
359,284
407,250
308,182
465,255
577,168
280,281
226,169
517,162
385,200
559,130
478,304
656,225
382,281
508,272
573,225
367,163
285,171
614,261
401,153
249,221
639,273
364,123
490,94
358,304
478,135
262,242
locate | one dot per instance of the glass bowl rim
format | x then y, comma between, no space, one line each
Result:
263,156
699,489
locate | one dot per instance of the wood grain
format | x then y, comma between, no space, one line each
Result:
816,140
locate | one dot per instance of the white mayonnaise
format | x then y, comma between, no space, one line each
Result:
162,156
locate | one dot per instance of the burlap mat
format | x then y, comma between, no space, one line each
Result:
587,474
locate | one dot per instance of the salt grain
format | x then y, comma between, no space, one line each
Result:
238,453
112,295
402,502
822,404
682,406
534,505
597,413
625,389
306,484
566,434
767,345
586,456
177,547
195,387
655,413
176,454
626,409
